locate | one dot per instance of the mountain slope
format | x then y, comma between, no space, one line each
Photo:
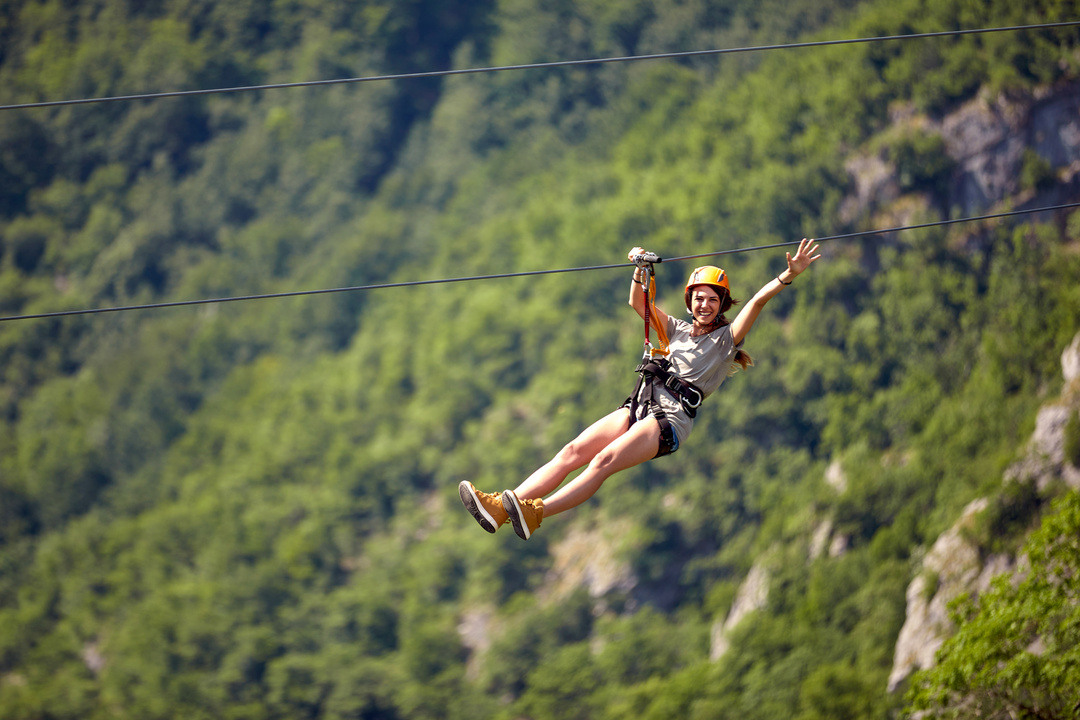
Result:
249,510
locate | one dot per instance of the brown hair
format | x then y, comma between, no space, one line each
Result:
742,358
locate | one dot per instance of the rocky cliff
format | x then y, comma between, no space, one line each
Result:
1025,149
956,564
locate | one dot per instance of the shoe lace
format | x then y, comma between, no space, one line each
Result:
536,506
490,499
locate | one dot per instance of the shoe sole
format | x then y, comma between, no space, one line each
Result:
512,507
472,504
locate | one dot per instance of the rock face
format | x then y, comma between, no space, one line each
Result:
1070,363
590,558
1045,460
950,568
982,137
751,596
989,142
953,566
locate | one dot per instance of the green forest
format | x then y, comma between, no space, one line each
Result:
249,510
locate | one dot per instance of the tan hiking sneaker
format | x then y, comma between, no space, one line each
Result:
485,507
526,515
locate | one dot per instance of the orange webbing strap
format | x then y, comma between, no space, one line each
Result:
649,288
661,335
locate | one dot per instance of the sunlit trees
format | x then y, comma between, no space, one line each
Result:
1016,651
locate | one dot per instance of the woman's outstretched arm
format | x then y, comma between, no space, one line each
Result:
637,296
806,254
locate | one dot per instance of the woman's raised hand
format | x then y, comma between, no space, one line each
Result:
806,254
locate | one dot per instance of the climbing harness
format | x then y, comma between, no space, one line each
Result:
654,367
660,371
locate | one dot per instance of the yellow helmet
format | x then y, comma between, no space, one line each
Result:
709,275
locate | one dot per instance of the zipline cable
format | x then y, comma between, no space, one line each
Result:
527,273
541,65
863,233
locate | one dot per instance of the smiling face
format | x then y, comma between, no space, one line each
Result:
704,304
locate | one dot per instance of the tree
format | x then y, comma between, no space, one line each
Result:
1016,654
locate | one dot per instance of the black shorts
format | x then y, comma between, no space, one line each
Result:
669,442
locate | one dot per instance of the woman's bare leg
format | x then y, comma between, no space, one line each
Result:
640,443
576,454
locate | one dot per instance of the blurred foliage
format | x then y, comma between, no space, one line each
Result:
247,510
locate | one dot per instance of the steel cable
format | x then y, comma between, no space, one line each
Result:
540,65
527,273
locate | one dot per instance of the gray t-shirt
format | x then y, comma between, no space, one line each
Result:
704,360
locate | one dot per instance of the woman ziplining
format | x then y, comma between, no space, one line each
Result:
693,360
